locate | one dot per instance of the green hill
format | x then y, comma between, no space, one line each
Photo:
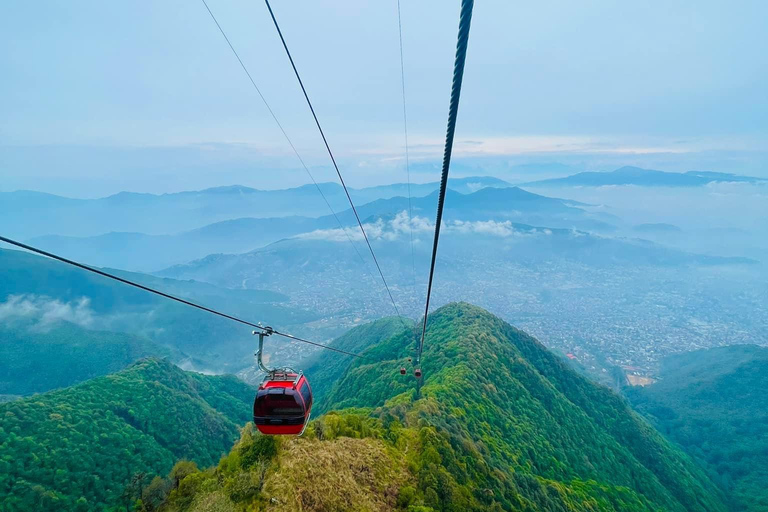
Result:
34,360
500,424
713,403
78,448
324,372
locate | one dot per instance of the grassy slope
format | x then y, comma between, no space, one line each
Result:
502,424
713,403
89,440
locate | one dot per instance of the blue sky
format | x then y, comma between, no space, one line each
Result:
98,97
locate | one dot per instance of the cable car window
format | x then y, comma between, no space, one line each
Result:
307,394
277,404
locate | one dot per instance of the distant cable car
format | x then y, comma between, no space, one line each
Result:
283,402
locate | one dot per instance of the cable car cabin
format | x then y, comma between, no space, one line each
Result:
283,404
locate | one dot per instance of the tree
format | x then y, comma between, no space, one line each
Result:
182,469
155,493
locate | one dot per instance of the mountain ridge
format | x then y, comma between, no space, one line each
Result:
500,423
629,175
26,215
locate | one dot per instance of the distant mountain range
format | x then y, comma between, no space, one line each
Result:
644,178
487,203
26,214
657,228
322,261
143,252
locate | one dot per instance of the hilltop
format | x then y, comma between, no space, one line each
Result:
81,447
500,424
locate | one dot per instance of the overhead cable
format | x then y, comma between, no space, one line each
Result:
465,20
171,297
285,134
333,160
405,130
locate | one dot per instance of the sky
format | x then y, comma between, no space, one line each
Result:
98,97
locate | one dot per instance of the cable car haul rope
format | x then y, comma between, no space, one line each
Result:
458,75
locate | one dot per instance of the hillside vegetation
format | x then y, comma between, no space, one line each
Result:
325,372
713,403
216,343
34,359
81,448
500,424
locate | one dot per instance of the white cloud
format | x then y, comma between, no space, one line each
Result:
46,311
400,228
380,230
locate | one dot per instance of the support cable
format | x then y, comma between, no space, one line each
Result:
333,160
458,75
405,130
171,297
285,134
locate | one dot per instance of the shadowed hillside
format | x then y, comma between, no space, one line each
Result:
713,403
80,447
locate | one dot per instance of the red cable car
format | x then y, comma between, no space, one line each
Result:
283,402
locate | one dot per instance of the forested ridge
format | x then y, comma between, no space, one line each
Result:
35,359
325,372
500,424
95,445
714,404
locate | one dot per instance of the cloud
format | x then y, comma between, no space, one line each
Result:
380,230
45,311
400,228
503,229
